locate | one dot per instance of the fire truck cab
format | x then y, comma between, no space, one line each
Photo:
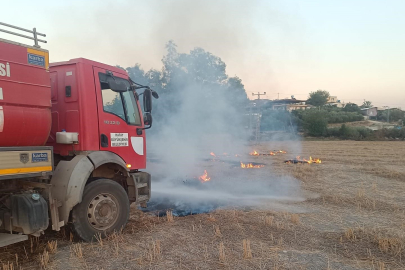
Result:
72,144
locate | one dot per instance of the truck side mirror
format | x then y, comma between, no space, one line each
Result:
147,100
155,94
147,119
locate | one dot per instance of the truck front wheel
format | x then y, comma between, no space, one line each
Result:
103,210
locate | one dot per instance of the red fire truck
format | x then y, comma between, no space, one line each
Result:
72,143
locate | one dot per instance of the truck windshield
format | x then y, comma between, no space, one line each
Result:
121,104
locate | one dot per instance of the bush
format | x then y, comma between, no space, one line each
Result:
333,132
351,107
393,133
343,117
363,133
315,123
394,115
332,114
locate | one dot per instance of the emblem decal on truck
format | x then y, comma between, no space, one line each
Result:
5,70
24,158
137,145
111,122
39,157
119,139
37,60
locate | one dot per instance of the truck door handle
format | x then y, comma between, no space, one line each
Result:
104,140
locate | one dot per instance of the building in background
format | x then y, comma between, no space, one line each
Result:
369,112
289,104
334,101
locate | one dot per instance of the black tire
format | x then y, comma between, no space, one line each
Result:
85,217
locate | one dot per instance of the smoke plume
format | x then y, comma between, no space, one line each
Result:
203,110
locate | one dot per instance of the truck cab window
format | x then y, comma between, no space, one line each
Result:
112,103
130,105
121,104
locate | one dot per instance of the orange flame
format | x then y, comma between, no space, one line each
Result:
250,166
212,154
204,178
315,160
254,153
272,154
281,152
309,161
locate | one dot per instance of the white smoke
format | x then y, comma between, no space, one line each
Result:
203,121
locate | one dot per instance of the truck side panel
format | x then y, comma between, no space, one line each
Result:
19,162
25,117
74,107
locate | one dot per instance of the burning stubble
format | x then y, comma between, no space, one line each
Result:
222,184
188,176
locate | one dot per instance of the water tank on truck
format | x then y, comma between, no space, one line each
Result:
25,95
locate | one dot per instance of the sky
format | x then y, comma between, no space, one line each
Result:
355,49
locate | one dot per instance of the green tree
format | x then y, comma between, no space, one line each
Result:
197,81
352,107
315,123
318,98
137,74
236,92
118,66
394,115
115,105
345,132
366,104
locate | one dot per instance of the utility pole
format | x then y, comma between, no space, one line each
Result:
388,113
258,116
258,94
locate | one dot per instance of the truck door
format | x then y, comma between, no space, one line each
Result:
119,118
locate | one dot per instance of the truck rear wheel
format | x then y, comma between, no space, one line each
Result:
103,210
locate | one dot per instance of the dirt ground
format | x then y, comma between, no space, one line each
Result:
353,218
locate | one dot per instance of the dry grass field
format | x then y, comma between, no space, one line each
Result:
353,218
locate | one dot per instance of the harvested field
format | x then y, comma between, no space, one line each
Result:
353,218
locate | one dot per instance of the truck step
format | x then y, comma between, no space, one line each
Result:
142,198
141,185
8,239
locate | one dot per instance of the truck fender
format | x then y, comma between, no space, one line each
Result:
99,158
68,183
133,179
70,178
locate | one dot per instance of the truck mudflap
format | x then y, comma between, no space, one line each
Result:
139,187
68,183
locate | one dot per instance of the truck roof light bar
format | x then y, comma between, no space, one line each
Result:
33,31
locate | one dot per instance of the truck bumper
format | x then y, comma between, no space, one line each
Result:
139,187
